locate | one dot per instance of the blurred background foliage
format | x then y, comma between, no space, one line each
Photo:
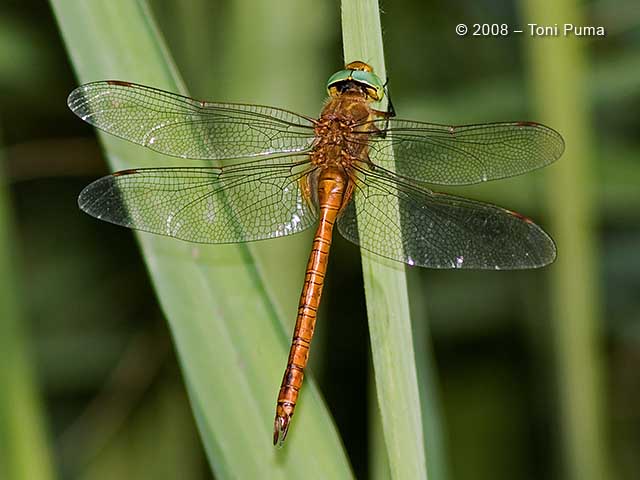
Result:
107,388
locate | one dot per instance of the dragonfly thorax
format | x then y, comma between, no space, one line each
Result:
339,139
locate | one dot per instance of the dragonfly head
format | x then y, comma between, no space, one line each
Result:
356,75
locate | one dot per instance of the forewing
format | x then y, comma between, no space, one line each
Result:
463,155
439,231
183,127
240,203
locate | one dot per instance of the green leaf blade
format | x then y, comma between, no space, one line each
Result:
386,292
230,341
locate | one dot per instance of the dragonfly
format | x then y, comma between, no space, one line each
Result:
354,167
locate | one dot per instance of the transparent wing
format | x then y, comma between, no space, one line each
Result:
463,155
439,231
250,201
183,127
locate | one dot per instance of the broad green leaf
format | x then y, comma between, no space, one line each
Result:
221,311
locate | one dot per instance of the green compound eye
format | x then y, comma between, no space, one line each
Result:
360,73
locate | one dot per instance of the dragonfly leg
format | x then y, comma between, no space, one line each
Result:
391,110
390,113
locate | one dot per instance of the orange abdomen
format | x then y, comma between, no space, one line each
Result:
332,189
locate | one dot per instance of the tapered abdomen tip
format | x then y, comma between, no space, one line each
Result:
280,429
